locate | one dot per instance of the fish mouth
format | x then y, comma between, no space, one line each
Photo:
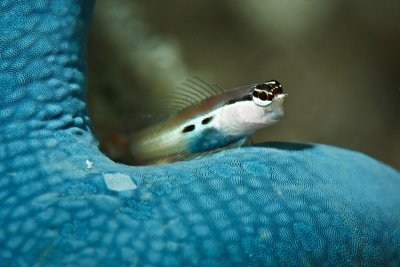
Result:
276,107
280,96
278,99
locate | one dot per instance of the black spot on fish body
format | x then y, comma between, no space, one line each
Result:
188,128
206,120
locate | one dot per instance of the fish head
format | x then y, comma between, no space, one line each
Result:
268,98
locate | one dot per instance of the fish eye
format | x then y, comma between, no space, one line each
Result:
262,97
263,93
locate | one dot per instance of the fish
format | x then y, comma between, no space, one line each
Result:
207,119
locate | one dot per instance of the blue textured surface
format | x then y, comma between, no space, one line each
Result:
286,204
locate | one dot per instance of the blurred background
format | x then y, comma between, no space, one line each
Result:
338,60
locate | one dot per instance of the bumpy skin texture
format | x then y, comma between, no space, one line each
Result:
286,204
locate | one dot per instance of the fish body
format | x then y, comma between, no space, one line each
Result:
212,124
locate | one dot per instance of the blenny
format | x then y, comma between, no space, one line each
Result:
208,119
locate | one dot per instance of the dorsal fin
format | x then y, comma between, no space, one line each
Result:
190,92
214,89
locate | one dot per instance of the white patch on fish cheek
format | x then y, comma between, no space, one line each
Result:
243,118
236,119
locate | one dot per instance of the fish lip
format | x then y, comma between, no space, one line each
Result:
279,98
